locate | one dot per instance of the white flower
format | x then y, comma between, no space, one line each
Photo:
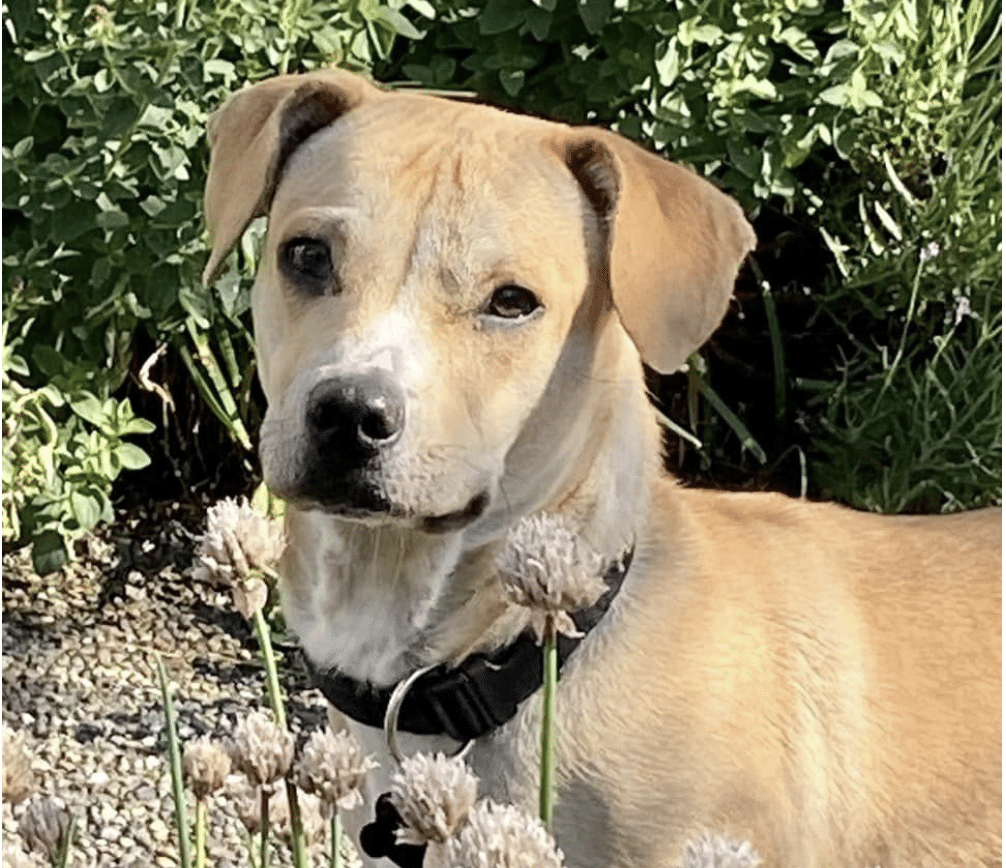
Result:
551,570
717,851
249,595
501,836
930,251
263,751
238,539
205,766
332,766
433,794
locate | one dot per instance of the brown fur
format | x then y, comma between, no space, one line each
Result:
824,683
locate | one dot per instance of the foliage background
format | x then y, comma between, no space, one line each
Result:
862,359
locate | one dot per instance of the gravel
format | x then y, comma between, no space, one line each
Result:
79,681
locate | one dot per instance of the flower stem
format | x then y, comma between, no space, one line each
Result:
263,859
335,857
201,833
550,663
296,826
271,673
175,762
62,857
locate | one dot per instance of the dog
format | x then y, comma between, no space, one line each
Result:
450,310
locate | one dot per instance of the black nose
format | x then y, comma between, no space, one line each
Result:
356,416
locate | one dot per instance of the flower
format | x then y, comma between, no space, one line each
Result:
44,825
433,794
262,750
717,851
205,765
930,251
249,596
501,836
332,766
17,777
238,539
246,798
551,570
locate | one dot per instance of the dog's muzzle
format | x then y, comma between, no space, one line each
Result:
350,424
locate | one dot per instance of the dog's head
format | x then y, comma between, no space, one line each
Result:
430,266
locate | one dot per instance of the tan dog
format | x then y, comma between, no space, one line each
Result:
450,311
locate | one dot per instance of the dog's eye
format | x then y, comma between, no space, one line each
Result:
308,260
512,302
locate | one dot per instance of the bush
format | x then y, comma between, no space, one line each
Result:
857,138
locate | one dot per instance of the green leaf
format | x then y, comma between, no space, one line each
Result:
131,457
152,206
196,304
268,503
112,219
86,509
594,14
23,147
89,408
539,21
897,183
887,220
38,54
136,425
219,66
734,421
48,552
442,69
500,16
512,80
423,7
72,221
694,30
396,23
800,43
746,158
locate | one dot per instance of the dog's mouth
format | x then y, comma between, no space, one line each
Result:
459,518
375,509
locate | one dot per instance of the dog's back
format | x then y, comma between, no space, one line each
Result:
827,678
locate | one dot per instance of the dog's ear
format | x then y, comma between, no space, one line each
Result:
675,243
253,136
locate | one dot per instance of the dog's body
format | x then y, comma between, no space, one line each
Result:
474,291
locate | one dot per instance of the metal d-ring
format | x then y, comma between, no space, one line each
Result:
394,707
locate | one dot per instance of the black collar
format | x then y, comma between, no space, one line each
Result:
484,692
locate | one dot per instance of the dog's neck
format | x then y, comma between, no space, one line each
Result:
378,601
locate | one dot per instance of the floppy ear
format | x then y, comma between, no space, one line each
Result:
675,243
253,136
